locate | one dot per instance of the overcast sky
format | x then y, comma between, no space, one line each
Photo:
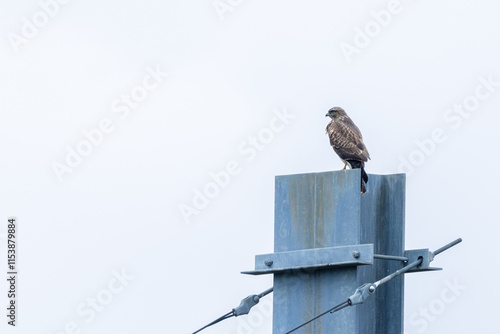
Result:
117,118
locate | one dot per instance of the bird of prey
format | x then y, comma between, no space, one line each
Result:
347,142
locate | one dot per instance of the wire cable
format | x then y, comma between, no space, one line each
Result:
268,291
245,306
332,310
398,272
224,317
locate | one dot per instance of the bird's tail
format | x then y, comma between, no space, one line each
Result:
364,180
364,176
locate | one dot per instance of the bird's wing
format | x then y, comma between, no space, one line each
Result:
346,140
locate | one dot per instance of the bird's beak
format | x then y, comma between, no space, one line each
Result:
327,115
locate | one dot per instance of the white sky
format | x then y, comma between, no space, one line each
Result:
118,209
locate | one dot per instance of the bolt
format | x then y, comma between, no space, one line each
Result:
371,288
268,262
356,254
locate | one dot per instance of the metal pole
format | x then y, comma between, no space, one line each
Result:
321,210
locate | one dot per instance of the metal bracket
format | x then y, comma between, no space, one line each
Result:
313,259
425,254
333,257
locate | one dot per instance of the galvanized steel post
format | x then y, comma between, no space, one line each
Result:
324,210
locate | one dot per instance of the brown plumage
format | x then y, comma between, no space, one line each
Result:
347,142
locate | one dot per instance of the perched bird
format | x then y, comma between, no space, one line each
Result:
347,142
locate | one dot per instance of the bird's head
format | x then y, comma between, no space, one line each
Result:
335,112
